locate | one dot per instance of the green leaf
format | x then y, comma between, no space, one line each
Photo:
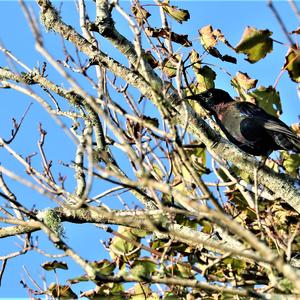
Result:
181,269
205,78
180,15
121,245
110,290
171,296
142,291
242,173
142,288
236,264
207,226
170,66
52,265
255,44
268,99
142,268
291,162
164,246
184,221
104,267
184,269
205,75
61,291
139,232
292,64
286,285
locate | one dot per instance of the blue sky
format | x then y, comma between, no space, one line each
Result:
231,17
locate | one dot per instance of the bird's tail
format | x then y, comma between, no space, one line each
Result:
284,137
288,142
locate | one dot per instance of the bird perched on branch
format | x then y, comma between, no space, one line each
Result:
246,125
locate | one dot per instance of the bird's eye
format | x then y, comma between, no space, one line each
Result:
210,94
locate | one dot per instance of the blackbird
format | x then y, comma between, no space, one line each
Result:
246,125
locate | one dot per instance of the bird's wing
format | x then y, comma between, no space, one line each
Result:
250,110
267,121
280,127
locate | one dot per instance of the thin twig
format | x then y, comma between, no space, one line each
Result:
281,23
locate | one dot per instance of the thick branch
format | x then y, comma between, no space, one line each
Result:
147,220
141,219
31,226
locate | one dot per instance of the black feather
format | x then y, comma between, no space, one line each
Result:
248,126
